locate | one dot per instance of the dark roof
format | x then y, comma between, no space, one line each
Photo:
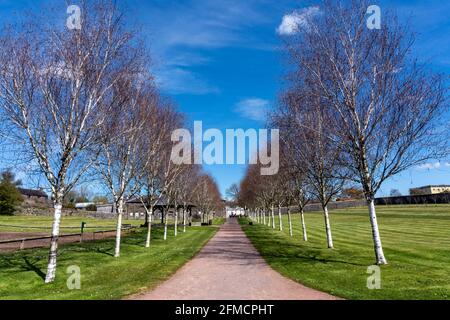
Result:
435,186
33,193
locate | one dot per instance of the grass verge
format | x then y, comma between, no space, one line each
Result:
102,275
416,241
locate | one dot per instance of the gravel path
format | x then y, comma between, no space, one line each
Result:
230,268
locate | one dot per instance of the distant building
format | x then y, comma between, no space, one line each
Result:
83,205
234,211
105,208
134,209
433,189
33,197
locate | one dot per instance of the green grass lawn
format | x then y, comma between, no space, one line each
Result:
68,224
102,275
218,221
416,241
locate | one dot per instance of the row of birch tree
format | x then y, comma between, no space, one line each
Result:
82,105
356,109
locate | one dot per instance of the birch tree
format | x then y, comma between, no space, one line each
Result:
206,196
266,196
290,188
157,171
316,148
279,193
302,196
121,145
185,185
53,82
322,163
389,107
288,118
259,191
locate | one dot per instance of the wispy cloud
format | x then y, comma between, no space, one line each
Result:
433,166
188,59
184,33
295,21
176,80
253,108
207,24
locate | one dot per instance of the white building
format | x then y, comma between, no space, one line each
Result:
235,211
83,205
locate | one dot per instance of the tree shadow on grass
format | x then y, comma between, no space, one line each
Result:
21,263
107,252
311,258
294,252
92,248
32,267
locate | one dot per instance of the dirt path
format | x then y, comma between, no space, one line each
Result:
230,268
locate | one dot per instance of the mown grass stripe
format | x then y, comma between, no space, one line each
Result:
416,240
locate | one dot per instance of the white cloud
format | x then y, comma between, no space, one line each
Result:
293,22
432,166
253,108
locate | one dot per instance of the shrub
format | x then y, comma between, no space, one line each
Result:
69,205
91,207
10,198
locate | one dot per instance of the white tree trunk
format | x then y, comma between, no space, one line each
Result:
176,221
302,216
290,221
269,222
149,229
379,254
328,227
184,219
273,217
119,227
279,218
165,224
264,216
53,254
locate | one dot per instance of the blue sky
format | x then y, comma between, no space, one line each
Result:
220,60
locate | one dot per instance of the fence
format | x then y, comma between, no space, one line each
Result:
331,206
440,198
80,237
